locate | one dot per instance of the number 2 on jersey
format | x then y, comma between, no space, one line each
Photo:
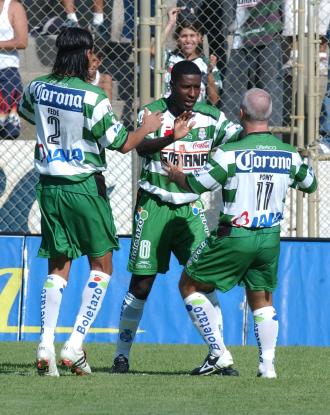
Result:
51,139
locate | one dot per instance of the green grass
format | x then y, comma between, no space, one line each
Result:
159,384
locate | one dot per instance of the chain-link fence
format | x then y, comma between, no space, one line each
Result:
278,45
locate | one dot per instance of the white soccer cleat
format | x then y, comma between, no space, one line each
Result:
266,372
75,360
46,361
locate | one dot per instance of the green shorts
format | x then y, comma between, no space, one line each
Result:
247,257
76,218
161,228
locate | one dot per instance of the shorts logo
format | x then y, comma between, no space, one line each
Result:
141,214
197,207
140,217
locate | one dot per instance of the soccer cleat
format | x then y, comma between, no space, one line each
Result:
75,360
120,364
70,23
268,373
46,361
216,365
228,371
13,119
98,30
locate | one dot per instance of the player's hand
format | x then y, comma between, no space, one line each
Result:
173,15
212,63
183,124
173,171
152,121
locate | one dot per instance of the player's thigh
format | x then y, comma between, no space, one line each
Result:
189,230
150,245
221,262
89,222
75,224
262,274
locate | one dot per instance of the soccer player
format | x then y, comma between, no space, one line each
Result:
74,124
254,174
168,219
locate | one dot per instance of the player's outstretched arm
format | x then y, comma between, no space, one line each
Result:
150,123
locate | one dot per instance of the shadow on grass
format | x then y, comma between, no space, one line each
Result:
140,372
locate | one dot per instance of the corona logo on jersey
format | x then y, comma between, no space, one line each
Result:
255,161
55,96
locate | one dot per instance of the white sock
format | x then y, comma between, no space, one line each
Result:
51,297
205,319
72,16
98,18
266,331
213,298
130,317
92,299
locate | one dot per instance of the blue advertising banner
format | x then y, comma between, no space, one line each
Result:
11,276
301,298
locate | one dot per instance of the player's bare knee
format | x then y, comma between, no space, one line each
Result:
140,286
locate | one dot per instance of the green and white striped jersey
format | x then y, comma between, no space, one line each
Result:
74,124
211,129
254,174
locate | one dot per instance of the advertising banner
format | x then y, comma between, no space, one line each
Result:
11,277
301,299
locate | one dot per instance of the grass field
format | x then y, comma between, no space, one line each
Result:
159,384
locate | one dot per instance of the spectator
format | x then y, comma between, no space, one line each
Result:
288,31
246,246
96,78
215,17
256,56
325,111
189,39
97,26
13,36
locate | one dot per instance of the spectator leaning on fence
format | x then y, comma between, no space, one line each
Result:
97,25
189,38
13,36
256,56
74,125
255,174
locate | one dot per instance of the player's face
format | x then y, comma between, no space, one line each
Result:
186,91
188,42
94,63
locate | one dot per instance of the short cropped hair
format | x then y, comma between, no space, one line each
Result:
184,68
257,105
71,60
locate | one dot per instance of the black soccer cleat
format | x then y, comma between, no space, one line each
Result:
228,371
221,365
120,364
